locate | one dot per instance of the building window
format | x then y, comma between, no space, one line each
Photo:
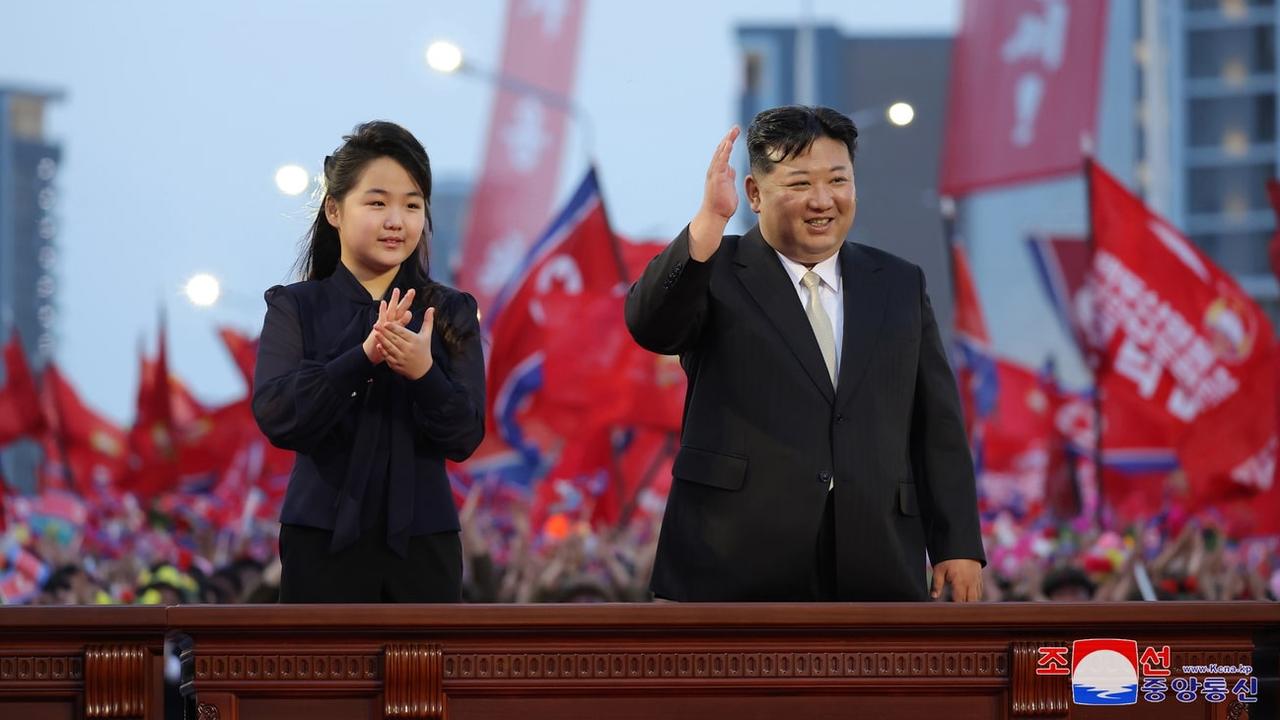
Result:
1219,190
1231,53
753,72
1212,121
1237,253
26,117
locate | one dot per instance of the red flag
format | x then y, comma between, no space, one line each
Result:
661,382
207,444
1015,438
244,351
53,504
595,374
153,466
1257,516
976,371
525,140
1064,498
1024,90
969,320
1177,335
20,414
582,487
80,442
645,466
1062,263
183,406
575,259
1136,455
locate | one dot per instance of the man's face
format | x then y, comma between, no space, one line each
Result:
806,203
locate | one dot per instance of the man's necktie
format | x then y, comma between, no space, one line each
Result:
821,323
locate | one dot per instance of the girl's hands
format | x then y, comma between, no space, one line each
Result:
407,352
396,313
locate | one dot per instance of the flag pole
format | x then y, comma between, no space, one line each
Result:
615,456
1091,353
623,277
947,208
947,211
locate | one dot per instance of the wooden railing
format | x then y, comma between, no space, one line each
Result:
895,661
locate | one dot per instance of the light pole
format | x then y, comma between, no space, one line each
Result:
202,290
205,291
447,58
898,114
292,179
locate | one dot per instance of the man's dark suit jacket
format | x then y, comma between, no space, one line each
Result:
764,432
370,443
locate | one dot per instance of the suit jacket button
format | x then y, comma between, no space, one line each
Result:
824,477
839,418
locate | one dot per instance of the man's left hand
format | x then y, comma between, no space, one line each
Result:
964,576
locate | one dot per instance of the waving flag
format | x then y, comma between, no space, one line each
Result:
1062,264
243,350
20,414
81,444
153,450
575,258
1177,336
1024,90
975,364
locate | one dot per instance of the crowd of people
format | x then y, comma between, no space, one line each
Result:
121,555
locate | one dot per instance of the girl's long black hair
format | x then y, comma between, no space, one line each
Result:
321,248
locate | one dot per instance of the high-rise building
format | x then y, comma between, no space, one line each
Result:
450,203
28,223
28,226
1207,127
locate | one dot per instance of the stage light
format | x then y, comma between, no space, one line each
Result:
443,56
292,179
901,114
203,290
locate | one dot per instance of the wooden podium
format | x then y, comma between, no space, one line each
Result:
615,661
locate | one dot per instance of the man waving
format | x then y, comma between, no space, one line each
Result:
822,451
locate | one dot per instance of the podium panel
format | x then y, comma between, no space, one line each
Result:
713,661
1001,660
82,662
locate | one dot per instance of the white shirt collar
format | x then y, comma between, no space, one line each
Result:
828,270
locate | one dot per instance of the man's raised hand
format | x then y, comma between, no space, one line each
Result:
719,202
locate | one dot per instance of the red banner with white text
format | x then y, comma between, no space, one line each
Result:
1178,335
1025,79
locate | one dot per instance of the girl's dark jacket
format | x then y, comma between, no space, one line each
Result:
370,443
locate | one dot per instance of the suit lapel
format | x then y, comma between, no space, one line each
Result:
761,272
864,298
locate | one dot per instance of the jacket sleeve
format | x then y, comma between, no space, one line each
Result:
296,401
667,307
448,406
943,463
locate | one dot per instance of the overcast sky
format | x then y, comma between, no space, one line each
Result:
176,117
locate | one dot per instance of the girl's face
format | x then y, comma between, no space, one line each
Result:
380,221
